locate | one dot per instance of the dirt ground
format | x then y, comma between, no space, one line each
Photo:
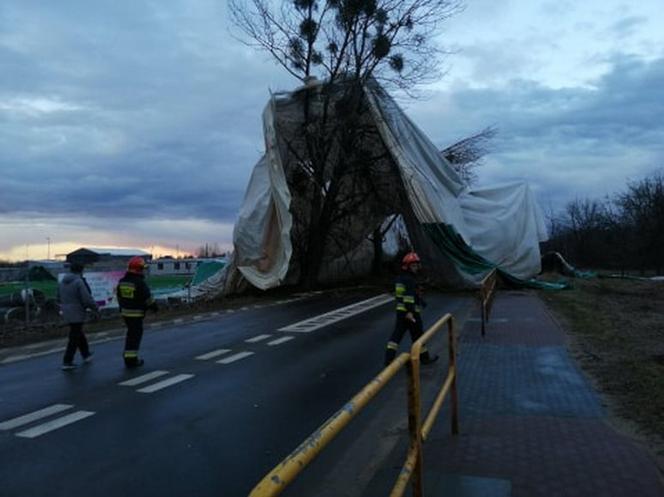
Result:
616,333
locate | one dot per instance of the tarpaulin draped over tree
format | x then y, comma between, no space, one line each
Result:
461,232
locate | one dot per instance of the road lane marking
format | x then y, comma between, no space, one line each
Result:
212,354
15,358
280,340
257,338
165,383
142,379
20,357
316,322
235,357
178,321
37,345
34,416
55,424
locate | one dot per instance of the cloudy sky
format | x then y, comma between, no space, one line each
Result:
137,123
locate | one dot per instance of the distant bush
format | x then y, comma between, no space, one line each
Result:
624,232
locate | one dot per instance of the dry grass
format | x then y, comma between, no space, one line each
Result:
616,330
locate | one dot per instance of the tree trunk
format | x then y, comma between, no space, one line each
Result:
314,249
377,240
309,277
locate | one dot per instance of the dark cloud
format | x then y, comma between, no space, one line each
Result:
127,109
116,111
568,142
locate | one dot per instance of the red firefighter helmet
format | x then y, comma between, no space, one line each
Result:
136,265
408,259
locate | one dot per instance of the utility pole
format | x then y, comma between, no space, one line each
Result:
48,250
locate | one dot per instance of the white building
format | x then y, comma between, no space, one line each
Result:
168,266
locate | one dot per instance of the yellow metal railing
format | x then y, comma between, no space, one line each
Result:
285,472
487,293
413,467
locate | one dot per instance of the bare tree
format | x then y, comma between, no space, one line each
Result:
643,205
622,232
209,250
390,40
346,44
466,155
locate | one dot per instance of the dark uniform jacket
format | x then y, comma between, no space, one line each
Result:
134,296
408,297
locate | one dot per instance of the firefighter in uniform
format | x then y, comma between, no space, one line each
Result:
409,304
134,299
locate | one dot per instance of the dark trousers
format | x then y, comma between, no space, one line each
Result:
77,341
402,325
133,340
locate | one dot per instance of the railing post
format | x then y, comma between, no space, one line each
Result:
414,421
451,330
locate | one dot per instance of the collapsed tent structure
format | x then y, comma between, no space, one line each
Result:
460,232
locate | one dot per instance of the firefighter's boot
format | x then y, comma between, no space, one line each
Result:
390,352
131,359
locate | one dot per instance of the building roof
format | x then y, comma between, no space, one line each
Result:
190,259
115,251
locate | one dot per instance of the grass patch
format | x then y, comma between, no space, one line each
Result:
616,329
48,287
167,281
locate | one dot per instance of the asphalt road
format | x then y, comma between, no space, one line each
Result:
196,426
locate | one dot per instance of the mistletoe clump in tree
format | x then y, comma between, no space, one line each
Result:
335,154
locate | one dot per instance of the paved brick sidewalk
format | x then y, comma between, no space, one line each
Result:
531,424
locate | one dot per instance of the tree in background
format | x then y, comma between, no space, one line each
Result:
625,232
209,250
466,155
343,44
643,207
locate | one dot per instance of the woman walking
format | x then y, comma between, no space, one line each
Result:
74,298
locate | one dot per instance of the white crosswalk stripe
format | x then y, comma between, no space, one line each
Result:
143,379
54,424
34,416
316,322
257,338
281,340
235,357
165,383
214,353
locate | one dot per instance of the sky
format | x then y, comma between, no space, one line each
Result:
138,123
